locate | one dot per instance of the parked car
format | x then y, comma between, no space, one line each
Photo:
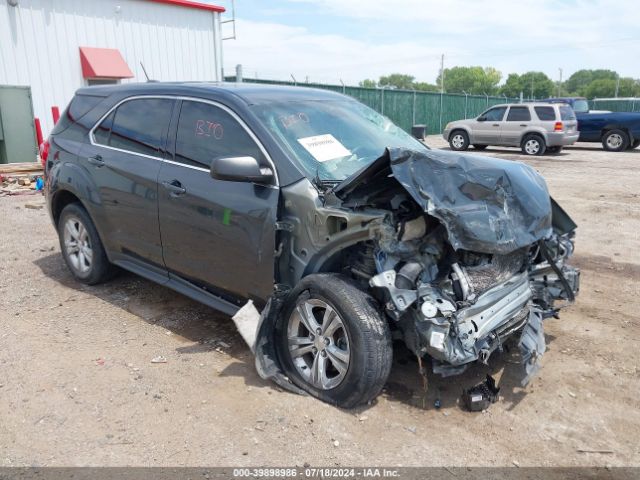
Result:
534,127
617,131
337,225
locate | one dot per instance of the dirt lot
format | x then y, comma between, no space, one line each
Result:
77,386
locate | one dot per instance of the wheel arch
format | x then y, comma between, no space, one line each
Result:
614,126
462,128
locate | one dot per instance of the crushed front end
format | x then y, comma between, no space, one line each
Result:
469,253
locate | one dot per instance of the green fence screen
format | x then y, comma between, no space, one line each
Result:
616,104
406,107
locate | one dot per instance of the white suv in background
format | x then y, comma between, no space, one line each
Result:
534,127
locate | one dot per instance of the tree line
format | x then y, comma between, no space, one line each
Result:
486,81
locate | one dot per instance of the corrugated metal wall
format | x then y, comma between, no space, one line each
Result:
406,108
39,42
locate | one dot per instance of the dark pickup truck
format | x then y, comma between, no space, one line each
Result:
617,131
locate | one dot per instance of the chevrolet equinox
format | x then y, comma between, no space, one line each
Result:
341,230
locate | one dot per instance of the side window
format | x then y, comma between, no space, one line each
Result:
103,131
206,132
140,125
495,114
545,114
567,113
519,114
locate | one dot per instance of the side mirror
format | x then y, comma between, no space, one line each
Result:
482,118
240,169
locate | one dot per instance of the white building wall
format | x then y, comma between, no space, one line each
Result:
40,40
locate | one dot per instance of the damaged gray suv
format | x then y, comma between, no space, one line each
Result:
322,227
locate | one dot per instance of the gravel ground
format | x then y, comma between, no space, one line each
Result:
77,386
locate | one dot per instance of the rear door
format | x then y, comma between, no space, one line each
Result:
216,234
124,158
517,122
487,129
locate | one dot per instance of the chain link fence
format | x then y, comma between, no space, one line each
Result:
616,104
407,107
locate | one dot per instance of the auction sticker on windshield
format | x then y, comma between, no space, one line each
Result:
324,147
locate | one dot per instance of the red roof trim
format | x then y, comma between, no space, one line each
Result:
191,4
103,63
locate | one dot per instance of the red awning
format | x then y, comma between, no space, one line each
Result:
103,63
192,4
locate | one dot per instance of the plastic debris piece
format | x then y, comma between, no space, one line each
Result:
481,396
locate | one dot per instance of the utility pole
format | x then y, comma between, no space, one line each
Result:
531,88
442,73
560,83
441,87
617,85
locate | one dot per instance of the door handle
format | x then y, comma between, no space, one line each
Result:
96,160
523,124
175,188
496,124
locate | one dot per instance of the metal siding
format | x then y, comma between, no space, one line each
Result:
40,40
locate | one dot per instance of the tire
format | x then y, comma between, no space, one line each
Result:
615,140
480,147
360,343
459,140
533,144
75,226
635,144
554,150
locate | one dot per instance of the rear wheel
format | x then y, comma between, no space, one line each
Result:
615,141
635,144
333,341
81,246
533,144
459,140
554,150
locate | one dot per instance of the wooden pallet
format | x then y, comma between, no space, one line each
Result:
21,168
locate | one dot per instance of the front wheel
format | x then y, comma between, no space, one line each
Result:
459,140
615,141
333,341
533,145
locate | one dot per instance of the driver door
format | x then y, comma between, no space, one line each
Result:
218,235
488,127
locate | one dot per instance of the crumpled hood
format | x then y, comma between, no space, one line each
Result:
487,205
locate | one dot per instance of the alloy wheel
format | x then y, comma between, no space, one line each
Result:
614,141
532,146
77,245
457,141
318,343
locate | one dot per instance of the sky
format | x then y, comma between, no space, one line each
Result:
329,41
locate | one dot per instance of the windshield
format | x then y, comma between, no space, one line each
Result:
333,139
580,106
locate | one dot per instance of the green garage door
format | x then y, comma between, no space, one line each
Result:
17,133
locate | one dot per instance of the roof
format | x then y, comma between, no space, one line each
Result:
250,93
103,63
192,4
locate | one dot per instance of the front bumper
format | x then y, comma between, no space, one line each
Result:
474,332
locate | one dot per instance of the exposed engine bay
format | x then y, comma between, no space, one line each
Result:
462,252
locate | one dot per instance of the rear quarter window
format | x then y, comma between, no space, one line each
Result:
78,108
567,113
545,114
